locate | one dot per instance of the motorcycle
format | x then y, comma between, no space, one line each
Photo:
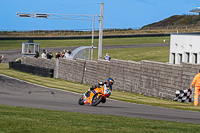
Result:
94,97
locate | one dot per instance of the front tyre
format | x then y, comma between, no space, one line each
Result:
81,101
96,100
103,100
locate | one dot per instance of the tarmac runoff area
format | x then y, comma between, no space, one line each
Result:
16,92
13,54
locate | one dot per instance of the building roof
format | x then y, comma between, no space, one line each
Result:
197,10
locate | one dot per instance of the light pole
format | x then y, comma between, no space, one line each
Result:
92,38
100,31
73,17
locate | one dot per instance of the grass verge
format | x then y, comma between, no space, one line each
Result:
159,54
17,44
21,119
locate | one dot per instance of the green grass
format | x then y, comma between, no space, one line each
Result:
20,119
160,54
17,44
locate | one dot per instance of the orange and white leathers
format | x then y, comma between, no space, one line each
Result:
196,81
103,91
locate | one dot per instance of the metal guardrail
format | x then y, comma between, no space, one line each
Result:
84,37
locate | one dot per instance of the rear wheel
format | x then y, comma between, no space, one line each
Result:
96,100
80,101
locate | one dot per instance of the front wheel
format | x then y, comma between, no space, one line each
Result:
81,101
96,100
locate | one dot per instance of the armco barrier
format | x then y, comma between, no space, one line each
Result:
85,37
45,72
155,79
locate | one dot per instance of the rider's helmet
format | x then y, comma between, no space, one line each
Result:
110,82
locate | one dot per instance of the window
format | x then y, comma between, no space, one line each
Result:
36,48
173,58
179,58
194,58
31,48
26,48
187,57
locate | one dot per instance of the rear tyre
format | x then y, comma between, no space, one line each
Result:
80,101
95,100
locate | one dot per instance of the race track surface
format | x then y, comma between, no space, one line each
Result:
19,93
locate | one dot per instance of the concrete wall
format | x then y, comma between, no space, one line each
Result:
150,78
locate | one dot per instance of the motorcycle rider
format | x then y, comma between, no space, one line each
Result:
108,84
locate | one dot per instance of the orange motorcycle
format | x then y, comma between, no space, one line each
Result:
94,97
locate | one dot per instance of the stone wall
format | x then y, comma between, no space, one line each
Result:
150,78
160,79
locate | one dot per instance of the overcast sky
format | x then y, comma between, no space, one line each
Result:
117,13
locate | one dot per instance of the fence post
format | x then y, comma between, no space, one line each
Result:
57,65
84,69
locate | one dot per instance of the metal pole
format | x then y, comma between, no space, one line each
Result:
92,39
100,31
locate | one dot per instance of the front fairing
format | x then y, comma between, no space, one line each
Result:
104,91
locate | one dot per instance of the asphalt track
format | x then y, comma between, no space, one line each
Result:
13,54
15,92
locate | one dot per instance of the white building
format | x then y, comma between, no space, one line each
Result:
184,48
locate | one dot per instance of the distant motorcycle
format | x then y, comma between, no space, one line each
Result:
94,97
